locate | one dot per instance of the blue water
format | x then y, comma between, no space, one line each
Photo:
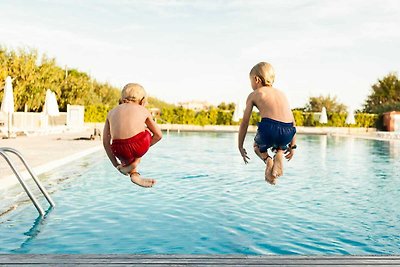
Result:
337,196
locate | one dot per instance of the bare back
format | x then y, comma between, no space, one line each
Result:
272,103
127,120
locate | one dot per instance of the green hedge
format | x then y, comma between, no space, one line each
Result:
96,113
367,120
336,119
215,116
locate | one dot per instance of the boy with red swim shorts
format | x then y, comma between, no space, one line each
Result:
129,131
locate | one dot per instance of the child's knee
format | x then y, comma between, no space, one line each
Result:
255,147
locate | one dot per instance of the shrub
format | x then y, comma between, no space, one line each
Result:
96,113
298,117
309,119
336,119
255,118
367,120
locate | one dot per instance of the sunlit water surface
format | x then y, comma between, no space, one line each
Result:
337,196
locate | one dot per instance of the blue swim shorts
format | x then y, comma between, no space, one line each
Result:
274,134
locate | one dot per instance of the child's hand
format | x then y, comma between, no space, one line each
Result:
244,155
289,154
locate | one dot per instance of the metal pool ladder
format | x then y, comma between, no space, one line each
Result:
3,151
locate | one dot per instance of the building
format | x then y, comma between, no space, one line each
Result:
195,105
391,121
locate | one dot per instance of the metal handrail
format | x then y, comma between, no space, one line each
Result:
3,151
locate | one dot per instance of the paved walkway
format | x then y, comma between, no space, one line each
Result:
46,152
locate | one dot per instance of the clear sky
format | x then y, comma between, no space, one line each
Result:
204,50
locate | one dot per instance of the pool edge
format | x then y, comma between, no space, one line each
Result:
11,180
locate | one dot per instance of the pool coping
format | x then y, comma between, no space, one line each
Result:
197,260
11,180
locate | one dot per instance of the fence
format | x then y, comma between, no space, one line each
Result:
32,121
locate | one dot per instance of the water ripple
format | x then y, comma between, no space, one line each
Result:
337,196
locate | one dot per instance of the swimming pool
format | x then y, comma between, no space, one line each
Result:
338,196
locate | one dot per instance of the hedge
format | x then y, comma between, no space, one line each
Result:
364,120
98,113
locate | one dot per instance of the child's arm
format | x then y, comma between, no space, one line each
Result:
243,127
107,143
154,129
290,152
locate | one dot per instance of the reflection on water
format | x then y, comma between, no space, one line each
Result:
337,196
324,144
394,149
33,232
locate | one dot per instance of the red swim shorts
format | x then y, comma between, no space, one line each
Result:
127,150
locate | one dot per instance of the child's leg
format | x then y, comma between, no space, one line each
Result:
269,164
128,168
131,169
277,169
262,155
137,179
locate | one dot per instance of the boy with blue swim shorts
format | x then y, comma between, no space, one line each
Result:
276,130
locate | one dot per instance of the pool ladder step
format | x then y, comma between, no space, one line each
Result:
3,153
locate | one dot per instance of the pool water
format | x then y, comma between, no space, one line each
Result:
337,196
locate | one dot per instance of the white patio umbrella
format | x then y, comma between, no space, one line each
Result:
50,107
238,113
350,117
53,110
50,104
7,105
324,116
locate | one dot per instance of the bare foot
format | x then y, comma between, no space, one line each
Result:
137,179
269,163
277,170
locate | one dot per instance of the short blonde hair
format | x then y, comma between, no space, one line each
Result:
133,92
265,72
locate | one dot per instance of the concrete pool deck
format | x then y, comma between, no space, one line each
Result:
46,152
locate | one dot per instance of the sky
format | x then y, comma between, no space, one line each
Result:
203,50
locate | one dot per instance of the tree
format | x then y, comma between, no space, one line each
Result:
201,118
212,116
224,117
315,104
385,95
226,106
32,76
157,103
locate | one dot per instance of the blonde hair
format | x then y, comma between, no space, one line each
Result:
133,92
265,72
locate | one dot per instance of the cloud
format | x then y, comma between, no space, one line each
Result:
189,49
